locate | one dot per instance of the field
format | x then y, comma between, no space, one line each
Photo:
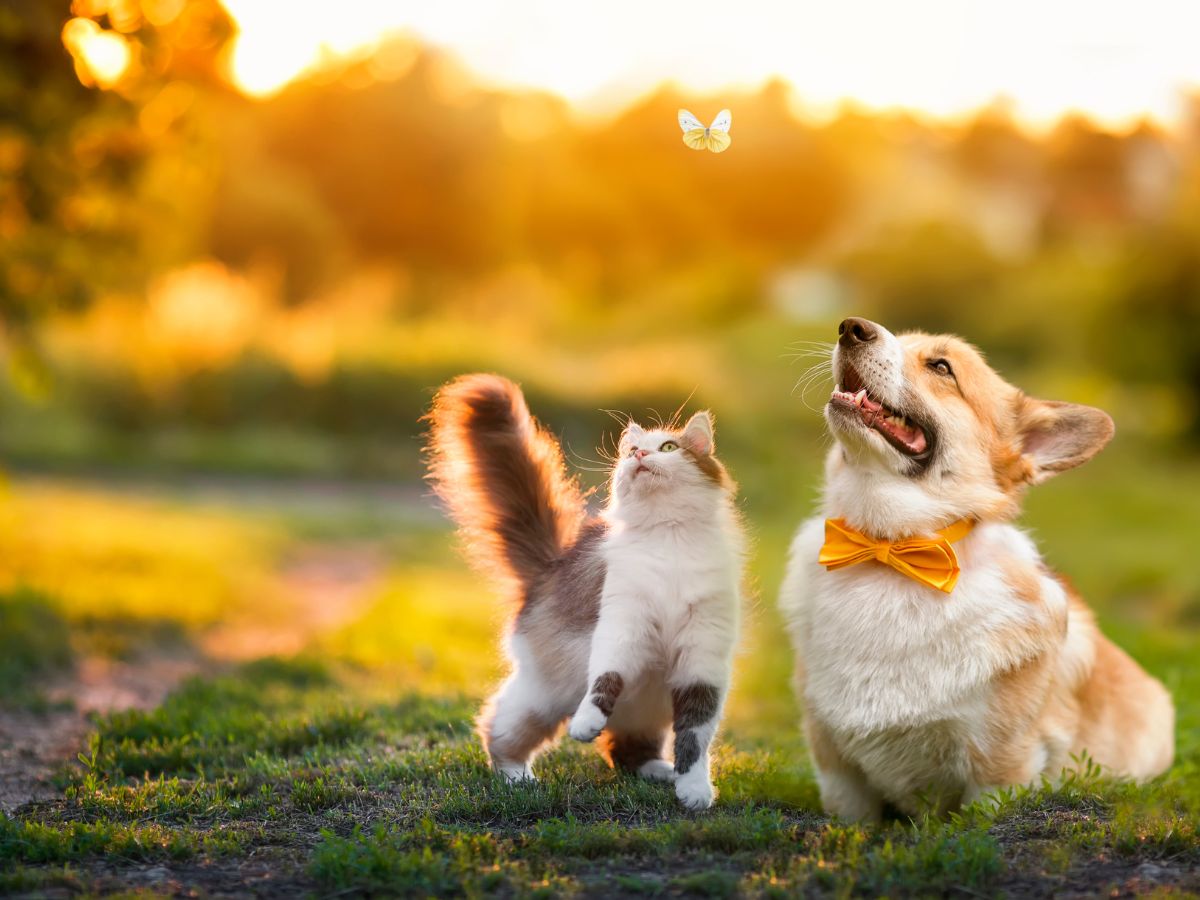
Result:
239,250
325,650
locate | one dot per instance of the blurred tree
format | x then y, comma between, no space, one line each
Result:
83,112
1152,329
994,148
1087,177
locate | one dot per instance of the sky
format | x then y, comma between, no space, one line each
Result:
1116,61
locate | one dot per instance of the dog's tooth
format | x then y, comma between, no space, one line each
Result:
860,397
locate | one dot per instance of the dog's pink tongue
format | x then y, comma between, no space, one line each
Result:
917,441
914,437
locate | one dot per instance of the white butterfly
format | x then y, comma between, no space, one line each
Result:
715,137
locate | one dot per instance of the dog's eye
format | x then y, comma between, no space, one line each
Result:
940,366
668,446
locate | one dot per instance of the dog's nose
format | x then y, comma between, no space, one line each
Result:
857,331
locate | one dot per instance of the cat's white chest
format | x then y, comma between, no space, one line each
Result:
667,581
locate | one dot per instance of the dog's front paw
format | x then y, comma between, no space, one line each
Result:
587,723
696,793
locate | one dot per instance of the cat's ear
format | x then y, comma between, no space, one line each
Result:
632,432
697,434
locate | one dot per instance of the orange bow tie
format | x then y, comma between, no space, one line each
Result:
931,561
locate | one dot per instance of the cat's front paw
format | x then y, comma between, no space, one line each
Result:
694,793
587,723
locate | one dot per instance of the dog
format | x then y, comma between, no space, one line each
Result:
937,656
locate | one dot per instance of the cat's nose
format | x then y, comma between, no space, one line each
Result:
641,454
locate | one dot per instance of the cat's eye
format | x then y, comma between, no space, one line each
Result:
668,446
941,366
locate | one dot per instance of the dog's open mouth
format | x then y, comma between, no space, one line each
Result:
906,435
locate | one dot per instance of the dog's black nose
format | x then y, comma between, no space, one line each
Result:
857,331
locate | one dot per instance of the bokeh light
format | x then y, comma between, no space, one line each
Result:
101,56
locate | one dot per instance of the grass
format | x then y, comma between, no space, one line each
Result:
126,571
392,795
35,641
352,768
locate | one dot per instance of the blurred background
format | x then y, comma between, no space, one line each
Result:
241,243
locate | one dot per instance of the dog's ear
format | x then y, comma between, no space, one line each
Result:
1058,436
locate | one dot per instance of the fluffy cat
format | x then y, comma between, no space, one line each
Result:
627,619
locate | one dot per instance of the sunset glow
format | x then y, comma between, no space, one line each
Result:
101,56
943,57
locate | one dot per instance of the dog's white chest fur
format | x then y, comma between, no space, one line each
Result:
899,671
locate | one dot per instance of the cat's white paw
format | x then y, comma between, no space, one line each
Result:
695,793
587,722
515,772
657,770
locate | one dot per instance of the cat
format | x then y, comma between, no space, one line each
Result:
628,619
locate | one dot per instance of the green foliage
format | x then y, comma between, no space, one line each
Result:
713,883
424,861
35,641
34,842
217,724
72,158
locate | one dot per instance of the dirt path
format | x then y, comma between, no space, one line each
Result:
33,745
326,586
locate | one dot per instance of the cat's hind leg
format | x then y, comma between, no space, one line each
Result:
637,732
517,722
641,754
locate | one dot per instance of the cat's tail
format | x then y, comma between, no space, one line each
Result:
502,477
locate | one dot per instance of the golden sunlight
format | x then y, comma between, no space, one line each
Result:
943,57
101,56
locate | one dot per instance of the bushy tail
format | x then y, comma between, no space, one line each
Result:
502,477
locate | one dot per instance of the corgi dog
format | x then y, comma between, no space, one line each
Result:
937,656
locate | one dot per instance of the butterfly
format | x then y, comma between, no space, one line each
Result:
715,137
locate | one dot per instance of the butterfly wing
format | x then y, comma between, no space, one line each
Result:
697,138
722,122
718,141
688,122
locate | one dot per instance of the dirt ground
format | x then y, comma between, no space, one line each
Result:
327,585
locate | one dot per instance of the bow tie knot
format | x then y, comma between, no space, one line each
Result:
930,561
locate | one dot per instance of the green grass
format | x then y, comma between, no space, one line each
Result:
353,769
355,791
35,641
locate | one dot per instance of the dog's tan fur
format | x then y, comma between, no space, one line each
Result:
1057,687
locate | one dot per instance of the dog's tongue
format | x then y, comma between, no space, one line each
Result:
913,436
